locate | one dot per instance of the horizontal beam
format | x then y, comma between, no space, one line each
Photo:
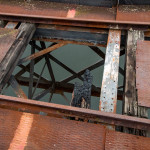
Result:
121,26
72,35
68,41
56,110
60,87
75,14
76,34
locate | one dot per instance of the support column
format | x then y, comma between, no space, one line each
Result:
108,98
131,107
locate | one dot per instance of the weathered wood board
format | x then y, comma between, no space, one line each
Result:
12,46
7,38
131,107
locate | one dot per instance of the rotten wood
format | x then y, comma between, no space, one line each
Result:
9,62
81,96
131,107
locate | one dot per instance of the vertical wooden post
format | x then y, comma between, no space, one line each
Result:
108,98
131,107
81,96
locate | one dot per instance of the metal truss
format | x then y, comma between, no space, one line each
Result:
117,28
53,86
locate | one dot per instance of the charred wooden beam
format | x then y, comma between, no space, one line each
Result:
11,58
82,93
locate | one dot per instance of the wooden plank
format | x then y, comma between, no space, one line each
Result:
108,98
12,81
11,58
7,38
81,96
130,100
